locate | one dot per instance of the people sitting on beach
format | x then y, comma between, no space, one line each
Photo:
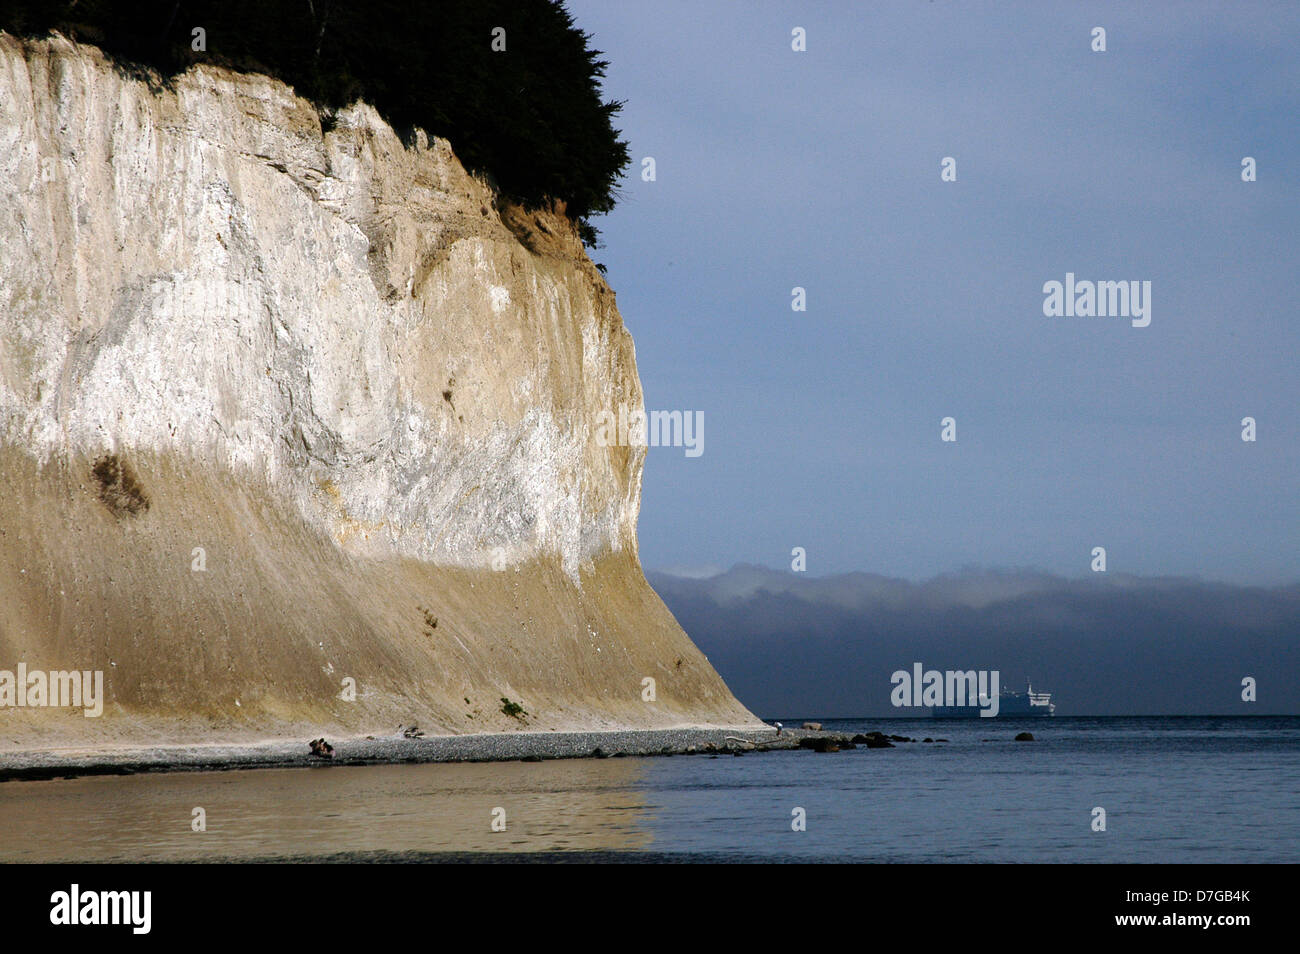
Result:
321,749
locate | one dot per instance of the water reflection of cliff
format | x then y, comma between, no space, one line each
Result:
584,805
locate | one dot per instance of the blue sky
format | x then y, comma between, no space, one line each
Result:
821,169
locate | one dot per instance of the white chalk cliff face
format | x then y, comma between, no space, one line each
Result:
274,398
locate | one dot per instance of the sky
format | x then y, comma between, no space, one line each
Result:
822,169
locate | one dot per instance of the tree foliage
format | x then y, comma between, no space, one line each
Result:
532,117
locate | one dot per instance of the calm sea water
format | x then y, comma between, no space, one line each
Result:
1174,790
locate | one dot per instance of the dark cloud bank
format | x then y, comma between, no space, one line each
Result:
790,645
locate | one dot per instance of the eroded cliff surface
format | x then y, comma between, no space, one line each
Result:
275,398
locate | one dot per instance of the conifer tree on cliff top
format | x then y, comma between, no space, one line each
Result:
530,115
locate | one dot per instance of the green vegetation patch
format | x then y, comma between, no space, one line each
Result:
512,709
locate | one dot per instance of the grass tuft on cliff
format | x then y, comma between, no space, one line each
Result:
531,116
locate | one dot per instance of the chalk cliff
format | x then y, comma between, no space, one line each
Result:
285,404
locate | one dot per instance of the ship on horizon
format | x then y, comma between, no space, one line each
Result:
1010,703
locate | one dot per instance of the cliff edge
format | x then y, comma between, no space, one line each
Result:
291,413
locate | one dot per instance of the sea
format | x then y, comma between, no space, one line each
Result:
1150,789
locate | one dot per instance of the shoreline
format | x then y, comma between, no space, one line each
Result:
34,765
